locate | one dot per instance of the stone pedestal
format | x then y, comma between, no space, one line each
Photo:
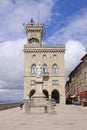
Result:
39,86
50,107
38,100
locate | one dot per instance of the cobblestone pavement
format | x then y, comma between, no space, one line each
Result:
68,117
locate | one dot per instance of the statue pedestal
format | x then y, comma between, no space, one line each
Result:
38,100
39,87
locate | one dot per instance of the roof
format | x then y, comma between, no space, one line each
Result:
75,68
85,56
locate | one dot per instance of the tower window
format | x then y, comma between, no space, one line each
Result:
33,69
55,68
33,40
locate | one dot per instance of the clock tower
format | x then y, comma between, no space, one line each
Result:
34,34
51,56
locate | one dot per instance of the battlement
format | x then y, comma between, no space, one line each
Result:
53,45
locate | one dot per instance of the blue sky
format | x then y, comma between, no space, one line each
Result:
65,22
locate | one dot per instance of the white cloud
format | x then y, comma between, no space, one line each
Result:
74,52
13,13
12,64
76,29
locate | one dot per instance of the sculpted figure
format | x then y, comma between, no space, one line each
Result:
39,70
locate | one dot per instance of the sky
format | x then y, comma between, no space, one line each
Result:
65,22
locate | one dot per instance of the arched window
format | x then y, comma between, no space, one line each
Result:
44,68
55,68
33,69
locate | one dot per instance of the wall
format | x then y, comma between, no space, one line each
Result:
9,105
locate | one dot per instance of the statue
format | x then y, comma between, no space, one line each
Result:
39,70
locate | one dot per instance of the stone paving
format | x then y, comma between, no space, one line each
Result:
68,117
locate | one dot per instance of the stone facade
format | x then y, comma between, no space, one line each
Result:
52,59
78,79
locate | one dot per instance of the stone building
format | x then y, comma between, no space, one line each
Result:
52,59
77,84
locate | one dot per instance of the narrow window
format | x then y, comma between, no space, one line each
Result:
55,68
44,68
33,69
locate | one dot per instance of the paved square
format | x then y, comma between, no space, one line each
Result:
67,117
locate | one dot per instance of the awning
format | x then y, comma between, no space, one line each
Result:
82,93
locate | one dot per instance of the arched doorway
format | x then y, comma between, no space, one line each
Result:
31,93
46,93
55,95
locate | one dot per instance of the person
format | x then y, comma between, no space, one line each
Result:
39,70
